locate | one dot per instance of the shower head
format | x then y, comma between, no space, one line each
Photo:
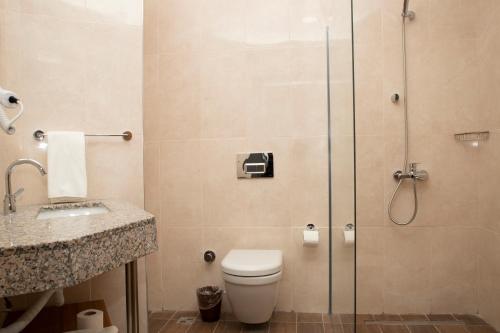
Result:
406,12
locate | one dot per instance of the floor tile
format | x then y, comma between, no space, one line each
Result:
202,327
360,328
154,325
470,319
228,316
348,328
441,317
309,328
282,328
347,318
303,317
451,329
228,327
161,315
173,327
362,318
394,329
480,329
333,319
414,317
180,314
422,329
333,328
284,317
387,317
260,328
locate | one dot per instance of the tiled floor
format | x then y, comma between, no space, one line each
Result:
291,322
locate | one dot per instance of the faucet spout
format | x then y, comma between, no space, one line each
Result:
10,198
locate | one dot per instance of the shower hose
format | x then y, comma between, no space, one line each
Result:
405,163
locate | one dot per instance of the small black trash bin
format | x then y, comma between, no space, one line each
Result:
209,302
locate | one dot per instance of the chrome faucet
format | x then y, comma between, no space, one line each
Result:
414,173
9,201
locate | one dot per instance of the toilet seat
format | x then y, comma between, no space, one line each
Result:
252,281
252,263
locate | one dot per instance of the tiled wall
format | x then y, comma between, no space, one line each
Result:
488,186
432,265
77,66
229,76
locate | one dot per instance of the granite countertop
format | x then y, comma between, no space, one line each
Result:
38,255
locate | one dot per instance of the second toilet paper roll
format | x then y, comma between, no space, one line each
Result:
91,318
311,237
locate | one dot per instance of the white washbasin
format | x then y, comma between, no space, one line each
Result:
56,212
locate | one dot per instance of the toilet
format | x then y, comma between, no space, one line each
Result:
252,283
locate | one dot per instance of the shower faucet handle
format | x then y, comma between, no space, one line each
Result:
414,173
421,175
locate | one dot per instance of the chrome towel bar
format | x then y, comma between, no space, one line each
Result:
127,135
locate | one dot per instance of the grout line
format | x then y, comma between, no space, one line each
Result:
216,326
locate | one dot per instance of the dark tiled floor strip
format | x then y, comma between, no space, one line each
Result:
291,322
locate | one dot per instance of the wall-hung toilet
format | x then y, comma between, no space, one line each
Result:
252,282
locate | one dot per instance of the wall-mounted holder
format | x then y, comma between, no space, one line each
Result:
349,234
473,136
311,235
255,165
209,256
395,98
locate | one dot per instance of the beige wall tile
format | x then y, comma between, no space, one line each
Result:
310,273
180,183
370,269
454,270
407,255
239,76
343,273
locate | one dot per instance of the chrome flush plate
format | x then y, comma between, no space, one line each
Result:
255,165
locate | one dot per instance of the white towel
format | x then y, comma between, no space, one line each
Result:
67,175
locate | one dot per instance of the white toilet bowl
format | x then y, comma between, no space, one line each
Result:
252,282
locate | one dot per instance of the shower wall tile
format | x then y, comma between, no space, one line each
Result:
370,181
488,188
454,270
450,77
407,256
370,268
267,23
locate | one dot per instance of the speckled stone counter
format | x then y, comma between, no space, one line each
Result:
38,255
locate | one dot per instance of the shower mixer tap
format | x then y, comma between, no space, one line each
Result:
414,173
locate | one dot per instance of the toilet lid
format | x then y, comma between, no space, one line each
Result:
252,262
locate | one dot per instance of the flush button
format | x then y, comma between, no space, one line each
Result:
255,165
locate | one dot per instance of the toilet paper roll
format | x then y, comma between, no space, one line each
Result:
311,237
90,319
349,237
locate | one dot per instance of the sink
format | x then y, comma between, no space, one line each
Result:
58,211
